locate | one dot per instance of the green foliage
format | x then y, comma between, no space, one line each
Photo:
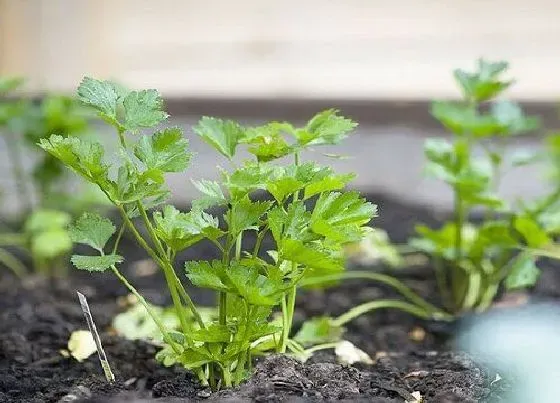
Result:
180,230
95,263
143,109
223,135
473,260
44,190
166,150
48,238
318,330
92,230
100,95
250,283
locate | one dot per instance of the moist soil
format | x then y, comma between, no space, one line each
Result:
38,315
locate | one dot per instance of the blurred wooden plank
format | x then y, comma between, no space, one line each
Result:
356,49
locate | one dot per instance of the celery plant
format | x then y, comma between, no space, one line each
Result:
473,260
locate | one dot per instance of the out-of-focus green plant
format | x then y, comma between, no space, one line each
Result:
473,260
45,197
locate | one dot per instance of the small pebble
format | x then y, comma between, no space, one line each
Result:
76,393
204,394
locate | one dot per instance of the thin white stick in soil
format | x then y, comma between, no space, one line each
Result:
100,352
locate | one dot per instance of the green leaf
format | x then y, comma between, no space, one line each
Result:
235,278
330,183
44,220
143,109
95,263
205,274
84,157
254,287
283,187
267,142
92,229
165,150
214,333
524,273
318,330
326,127
295,251
531,231
511,118
484,83
213,195
292,222
340,216
132,186
245,214
492,238
51,243
248,178
47,233
101,95
464,119
551,252
441,242
223,135
181,230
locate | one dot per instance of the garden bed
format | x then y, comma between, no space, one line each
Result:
37,317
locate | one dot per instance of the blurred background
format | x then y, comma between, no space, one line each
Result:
380,62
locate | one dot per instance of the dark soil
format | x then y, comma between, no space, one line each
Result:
37,317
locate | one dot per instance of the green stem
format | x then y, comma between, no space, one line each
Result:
150,311
258,243
370,306
472,294
13,263
284,307
171,271
150,228
246,354
118,239
487,297
441,279
226,376
212,376
13,239
319,347
238,243
288,308
457,278
222,296
165,267
223,308
382,278
122,140
459,222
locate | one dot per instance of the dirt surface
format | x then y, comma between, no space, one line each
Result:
37,317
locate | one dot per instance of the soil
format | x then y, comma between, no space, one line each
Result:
38,315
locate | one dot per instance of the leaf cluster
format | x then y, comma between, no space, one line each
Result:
307,213
476,259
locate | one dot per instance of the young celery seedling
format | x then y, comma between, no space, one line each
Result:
473,260
309,237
